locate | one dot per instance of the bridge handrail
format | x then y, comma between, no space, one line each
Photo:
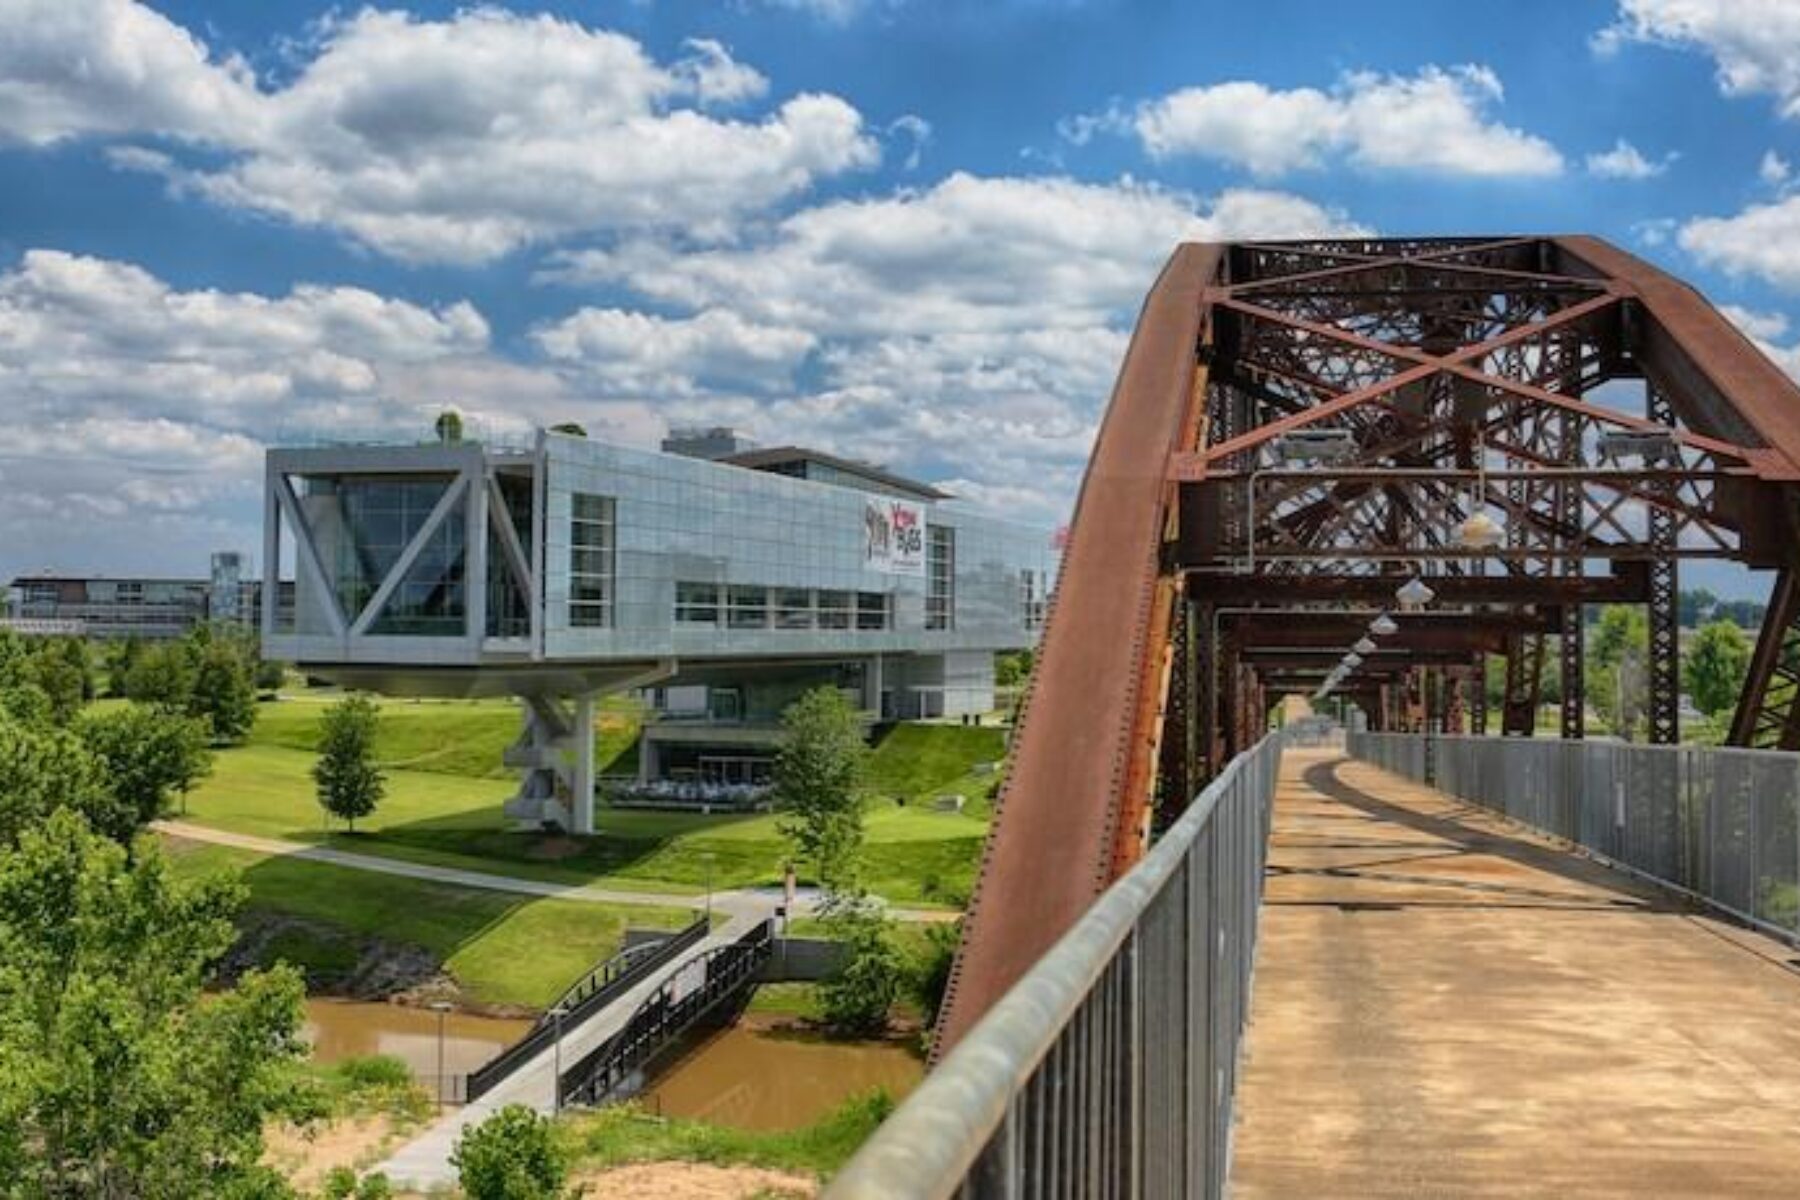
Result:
1713,823
593,991
968,1123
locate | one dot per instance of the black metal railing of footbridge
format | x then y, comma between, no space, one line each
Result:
586,996
703,986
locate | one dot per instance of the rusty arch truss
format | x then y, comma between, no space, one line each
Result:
1298,428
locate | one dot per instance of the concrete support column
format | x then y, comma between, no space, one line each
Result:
581,785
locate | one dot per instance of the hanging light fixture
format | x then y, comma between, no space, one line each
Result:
1383,626
1480,531
1364,646
1414,593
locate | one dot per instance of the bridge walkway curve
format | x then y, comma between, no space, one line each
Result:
1446,1005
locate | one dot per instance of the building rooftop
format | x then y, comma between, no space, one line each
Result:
776,457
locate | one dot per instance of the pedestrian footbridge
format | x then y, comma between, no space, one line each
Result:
1331,979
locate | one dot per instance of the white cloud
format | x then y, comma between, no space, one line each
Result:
634,352
1626,161
1764,328
966,331
1762,241
1755,44
1773,169
1433,121
445,141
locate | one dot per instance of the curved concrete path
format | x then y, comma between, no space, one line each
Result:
746,902
1447,1006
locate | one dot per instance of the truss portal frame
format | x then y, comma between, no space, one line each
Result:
1457,375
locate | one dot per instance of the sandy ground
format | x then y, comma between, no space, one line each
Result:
1446,1005
306,1157
694,1181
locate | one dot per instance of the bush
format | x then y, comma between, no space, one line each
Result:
930,974
341,1183
512,1155
854,1000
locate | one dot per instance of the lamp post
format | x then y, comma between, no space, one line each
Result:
706,857
442,1009
556,1061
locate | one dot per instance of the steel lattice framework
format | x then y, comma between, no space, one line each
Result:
1212,569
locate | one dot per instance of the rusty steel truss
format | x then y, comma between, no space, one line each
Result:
1300,427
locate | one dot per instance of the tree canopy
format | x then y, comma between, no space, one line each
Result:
1718,659
348,782
818,785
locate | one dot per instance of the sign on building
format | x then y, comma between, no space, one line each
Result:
894,536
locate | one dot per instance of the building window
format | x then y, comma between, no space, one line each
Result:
793,608
871,611
836,611
749,607
697,604
1031,599
940,578
592,549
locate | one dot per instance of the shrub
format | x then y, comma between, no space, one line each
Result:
512,1155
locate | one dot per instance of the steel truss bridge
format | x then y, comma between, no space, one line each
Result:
1300,427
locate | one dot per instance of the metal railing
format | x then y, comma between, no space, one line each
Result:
587,995
1721,825
1109,1068
700,987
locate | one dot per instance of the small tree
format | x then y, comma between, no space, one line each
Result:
818,781
930,975
349,783
512,1155
55,672
223,694
121,661
449,426
162,676
148,755
1718,659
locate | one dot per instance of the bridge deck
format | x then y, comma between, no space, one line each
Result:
1446,1006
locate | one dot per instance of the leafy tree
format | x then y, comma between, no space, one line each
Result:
62,682
930,974
121,661
223,693
512,1155
42,769
163,676
855,998
26,703
118,1076
1618,647
148,755
1718,659
449,426
1012,668
15,660
818,781
348,781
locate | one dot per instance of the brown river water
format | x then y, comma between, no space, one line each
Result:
753,1077
748,1077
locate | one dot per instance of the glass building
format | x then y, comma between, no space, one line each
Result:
726,586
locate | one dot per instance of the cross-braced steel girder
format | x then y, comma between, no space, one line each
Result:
1299,428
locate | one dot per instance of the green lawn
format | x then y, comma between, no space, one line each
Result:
502,949
624,1133
916,855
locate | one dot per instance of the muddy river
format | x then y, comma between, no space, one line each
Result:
752,1077
342,1029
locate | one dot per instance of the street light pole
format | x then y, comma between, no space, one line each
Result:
556,1069
442,1009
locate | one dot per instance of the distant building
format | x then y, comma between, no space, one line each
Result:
725,580
117,607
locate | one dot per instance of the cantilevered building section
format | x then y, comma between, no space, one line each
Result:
728,578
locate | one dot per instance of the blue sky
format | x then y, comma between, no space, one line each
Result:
909,230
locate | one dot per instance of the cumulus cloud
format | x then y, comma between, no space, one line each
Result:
966,331
1754,44
1761,241
1626,161
1766,329
1433,121
1773,169
442,141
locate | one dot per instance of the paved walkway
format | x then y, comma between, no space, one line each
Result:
751,902
1445,1006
